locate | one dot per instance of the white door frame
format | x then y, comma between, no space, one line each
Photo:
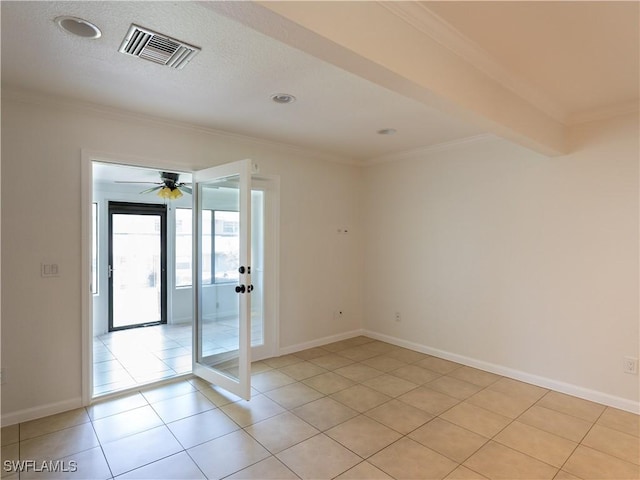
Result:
269,183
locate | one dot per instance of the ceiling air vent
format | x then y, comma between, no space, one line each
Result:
158,48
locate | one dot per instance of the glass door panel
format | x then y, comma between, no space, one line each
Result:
223,276
257,269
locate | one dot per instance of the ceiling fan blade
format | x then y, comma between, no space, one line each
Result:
152,189
139,183
186,189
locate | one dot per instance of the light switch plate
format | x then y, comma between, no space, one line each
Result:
49,270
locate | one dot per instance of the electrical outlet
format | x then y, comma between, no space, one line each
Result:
630,365
397,317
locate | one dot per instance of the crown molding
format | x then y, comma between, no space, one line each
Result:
604,113
425,151
59,102
420,17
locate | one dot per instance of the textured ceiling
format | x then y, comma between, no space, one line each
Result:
227,86
564,59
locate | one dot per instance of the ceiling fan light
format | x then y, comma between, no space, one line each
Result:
164,192
169,193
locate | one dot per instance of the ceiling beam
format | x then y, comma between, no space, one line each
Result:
378,44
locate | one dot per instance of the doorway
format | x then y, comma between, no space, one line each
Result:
127,358
137,266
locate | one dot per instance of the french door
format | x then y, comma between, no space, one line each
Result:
137,265
222,276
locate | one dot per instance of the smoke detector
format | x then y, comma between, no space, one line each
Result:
155,47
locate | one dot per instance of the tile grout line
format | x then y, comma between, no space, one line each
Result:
185,450
511,420
323,432
130,435
560,469
164,424
493,438
439,416
578,444
100,445
402,435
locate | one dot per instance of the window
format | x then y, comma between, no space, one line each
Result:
220,246
226,244
183,247
94,249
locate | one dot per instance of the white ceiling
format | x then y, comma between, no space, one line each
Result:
583,56
227,86
577,55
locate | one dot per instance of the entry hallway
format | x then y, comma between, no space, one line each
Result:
355,409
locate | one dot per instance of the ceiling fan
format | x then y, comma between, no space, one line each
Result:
169,187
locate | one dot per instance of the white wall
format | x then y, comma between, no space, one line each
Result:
490,252
501,257
41,317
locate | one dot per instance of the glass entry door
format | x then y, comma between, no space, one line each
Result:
222,257
137,265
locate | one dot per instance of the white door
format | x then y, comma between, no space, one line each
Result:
222,276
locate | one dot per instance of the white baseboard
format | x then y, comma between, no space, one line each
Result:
40,411
558,386
319,342
33,413
180,320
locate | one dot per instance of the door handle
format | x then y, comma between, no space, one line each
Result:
110,271
243,289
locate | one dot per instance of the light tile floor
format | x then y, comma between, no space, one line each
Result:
139,356
355,409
